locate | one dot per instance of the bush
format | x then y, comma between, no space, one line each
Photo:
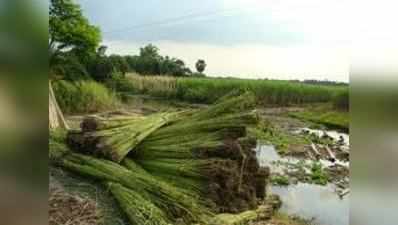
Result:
83,96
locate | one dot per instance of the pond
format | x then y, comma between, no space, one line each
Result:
309,201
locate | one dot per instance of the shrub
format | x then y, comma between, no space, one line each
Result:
83,96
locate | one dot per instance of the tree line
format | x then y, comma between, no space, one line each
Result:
75,51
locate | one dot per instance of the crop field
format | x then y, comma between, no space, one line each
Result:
209,90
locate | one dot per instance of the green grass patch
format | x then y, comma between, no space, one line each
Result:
270,134
83,97
325,115
280,180
318,175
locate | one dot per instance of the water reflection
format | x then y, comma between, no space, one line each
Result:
314,201
306,200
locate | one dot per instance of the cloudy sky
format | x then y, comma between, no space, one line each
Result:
284,39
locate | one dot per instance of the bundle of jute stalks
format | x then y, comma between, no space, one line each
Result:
174,165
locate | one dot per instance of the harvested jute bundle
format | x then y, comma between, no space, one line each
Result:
114,139
181,165
164,199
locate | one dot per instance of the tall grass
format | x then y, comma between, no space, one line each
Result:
342,100
158,86
209,90
83,96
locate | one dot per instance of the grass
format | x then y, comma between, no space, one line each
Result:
318,175
326,115
280,180
267,132
83,97
342,101
209,90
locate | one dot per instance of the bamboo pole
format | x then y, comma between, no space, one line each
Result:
56,118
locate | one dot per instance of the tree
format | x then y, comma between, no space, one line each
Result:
200,65
150,62
102,50
69,29
67,66
101,68
150,51
119,62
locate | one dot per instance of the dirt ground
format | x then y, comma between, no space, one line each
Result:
65,208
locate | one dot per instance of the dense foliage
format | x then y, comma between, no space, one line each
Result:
150,62
70,31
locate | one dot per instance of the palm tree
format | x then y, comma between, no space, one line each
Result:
200,65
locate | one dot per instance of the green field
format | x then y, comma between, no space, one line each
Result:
208,90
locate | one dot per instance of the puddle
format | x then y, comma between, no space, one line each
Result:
266,154
306,200
314,201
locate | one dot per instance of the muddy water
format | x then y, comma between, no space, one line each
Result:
306,200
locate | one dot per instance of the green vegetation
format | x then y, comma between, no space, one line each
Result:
318,175
280,180
209,90
72,40
313,138
200,66
342,101
266,132
325,115
68,28
83,96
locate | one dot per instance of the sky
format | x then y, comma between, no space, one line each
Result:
284,39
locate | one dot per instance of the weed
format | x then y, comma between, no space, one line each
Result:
280,180
318,175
